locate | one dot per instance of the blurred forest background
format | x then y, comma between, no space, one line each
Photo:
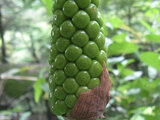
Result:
132,29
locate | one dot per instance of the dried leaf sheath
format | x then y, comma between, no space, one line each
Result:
91,104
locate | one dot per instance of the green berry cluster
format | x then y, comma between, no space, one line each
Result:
77,52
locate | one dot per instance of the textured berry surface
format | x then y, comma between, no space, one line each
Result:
81,19
77,52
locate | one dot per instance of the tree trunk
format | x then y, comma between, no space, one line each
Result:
3,49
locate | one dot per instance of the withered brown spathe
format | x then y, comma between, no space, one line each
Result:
91,104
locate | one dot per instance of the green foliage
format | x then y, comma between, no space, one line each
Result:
153,37
40,86
12,90
119,38
147,26
48,4
151,59
37,89
134,59
116,22
122,48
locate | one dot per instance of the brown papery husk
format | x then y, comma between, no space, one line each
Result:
91,104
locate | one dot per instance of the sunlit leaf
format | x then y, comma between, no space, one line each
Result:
152,12
151,59
148,26
122,48
153,38
38,89
119,38
126,72
48,4
116,22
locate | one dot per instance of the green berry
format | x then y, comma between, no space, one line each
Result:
96,2
53,53
81,90
83,78
52,84
102,30
59,77
91,50
59,108
58,4
81,19
55,33
70,85
99,19
100,40
93,29
83,62
70,8
102,57
67,29
59,17
96,69
83,3
62,44
60,93
70,100
71,69
105,49
52,69
52,98
80,38
60,61
94,82
73,52
92,11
